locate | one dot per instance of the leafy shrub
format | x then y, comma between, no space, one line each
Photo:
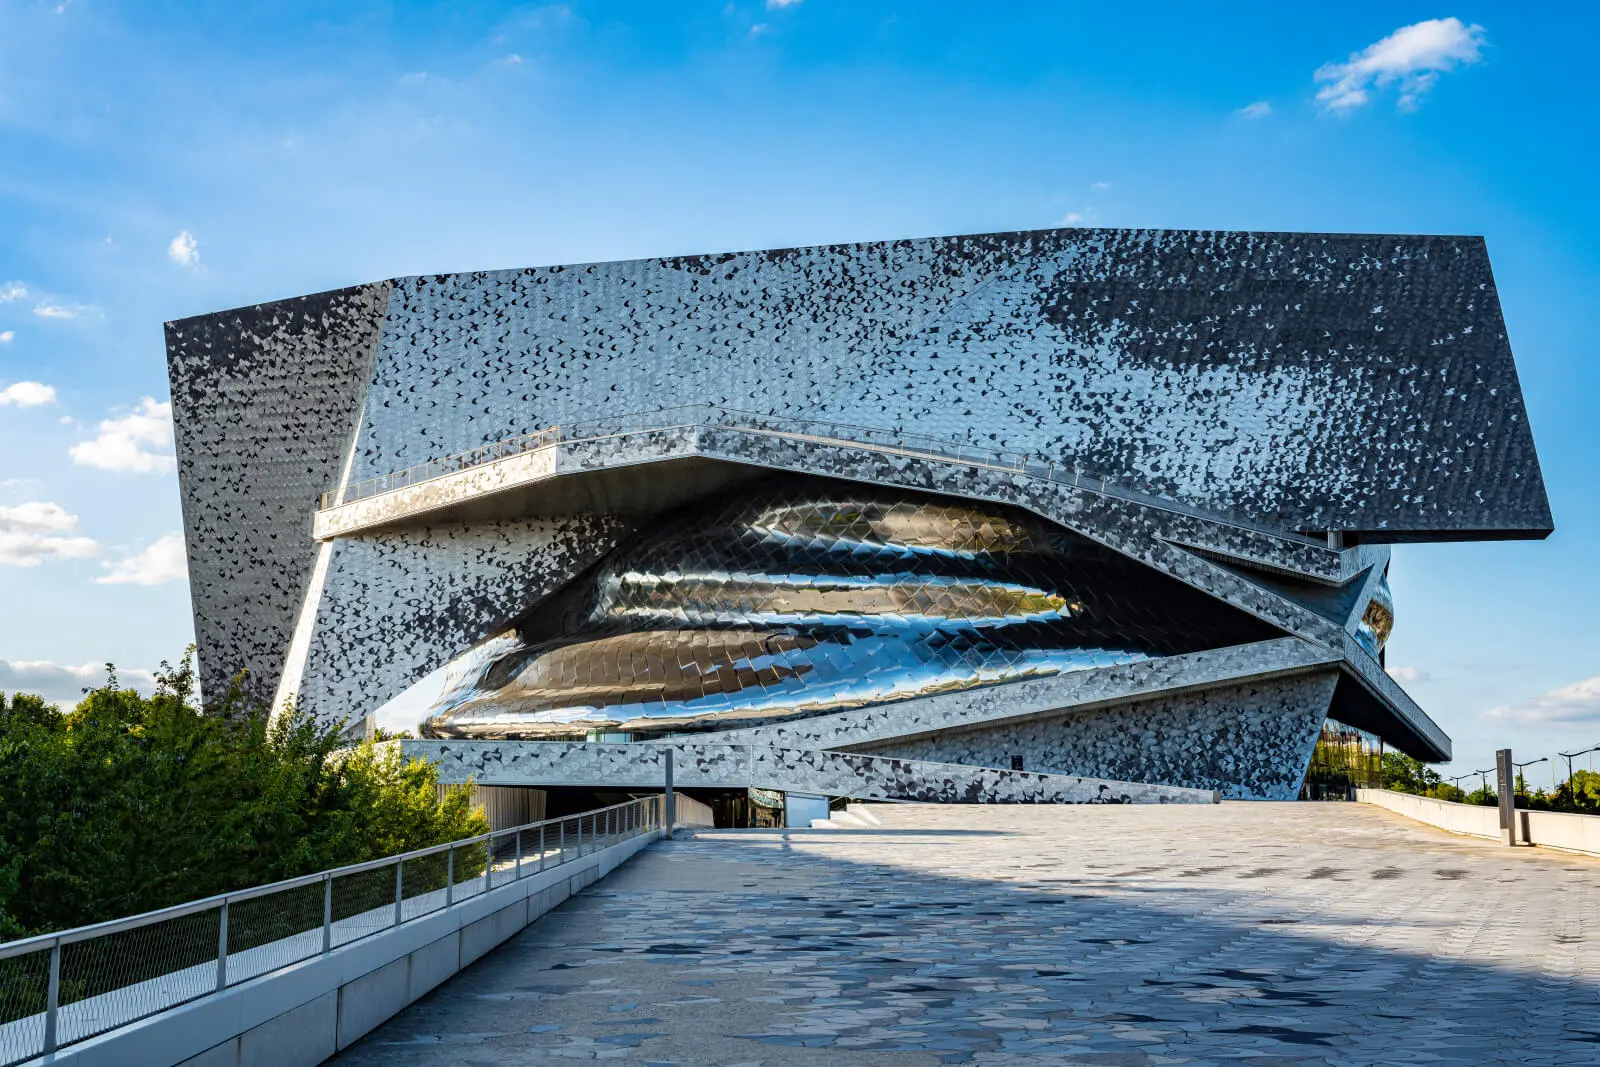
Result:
129,803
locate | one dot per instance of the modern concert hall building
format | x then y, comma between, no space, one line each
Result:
1064,515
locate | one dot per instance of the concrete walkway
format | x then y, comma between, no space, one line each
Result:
1276,933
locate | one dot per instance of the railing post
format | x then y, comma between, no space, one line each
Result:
561,834
327,912
519,855
580,837
541,846
488,862
400,891
450,876
52,1003
222,947
670,810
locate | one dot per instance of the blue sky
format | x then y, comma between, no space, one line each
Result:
163,160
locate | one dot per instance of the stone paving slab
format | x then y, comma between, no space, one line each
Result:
1261,933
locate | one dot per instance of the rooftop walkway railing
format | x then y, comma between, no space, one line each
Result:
62,988
842,434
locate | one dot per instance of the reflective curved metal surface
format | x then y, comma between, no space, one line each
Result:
807,596
1377,621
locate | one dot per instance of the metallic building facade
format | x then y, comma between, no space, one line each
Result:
1106,512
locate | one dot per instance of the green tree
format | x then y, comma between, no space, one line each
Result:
128,803
1580,793
1403,774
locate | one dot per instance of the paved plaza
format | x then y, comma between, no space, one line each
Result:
1271,933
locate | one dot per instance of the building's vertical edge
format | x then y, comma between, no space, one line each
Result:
1515,457
265,402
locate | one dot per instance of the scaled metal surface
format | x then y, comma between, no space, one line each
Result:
1246,389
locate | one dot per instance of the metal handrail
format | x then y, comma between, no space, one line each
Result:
24,1036
1030,465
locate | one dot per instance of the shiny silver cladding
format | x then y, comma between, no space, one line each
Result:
801,596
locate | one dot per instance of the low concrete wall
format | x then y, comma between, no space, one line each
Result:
1547,829
306,1013
1469,819
1558,829
693,815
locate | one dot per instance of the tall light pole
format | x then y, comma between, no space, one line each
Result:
1530,763
1568,757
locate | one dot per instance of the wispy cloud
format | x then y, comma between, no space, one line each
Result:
26,394
163,561
1407,674
184,250
37,531
12,291
783,3
139,443
50,310
1258,110
7,336
1577,704
63,684
1414,56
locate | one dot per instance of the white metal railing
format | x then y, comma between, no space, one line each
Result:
843,434
58,989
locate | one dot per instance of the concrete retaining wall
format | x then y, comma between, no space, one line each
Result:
304,1014
1548,829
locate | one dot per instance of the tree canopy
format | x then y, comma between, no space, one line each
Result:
129,803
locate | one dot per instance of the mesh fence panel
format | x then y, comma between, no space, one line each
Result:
119,977
503,849
363,903
272,931
424,884
24,984
470,861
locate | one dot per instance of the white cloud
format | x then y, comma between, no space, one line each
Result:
138,443
1258,110
26,394
1101,185
164,561
11,291
48,310
759,29
34,532
64,684
783,3
1407,674
184,250
1577,704
7,336
1413,55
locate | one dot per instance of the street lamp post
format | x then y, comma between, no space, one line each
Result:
1530,763
1568,757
